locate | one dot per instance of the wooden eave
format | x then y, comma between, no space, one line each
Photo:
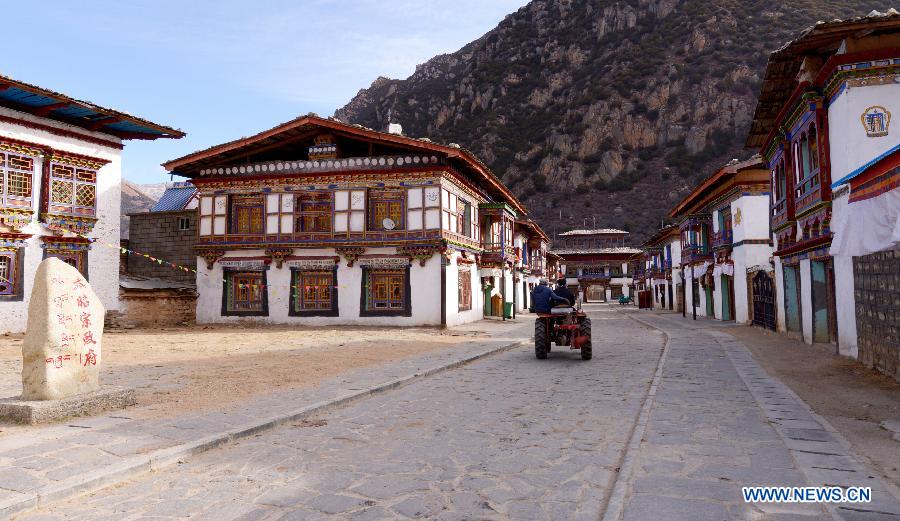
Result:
307,126
780,77
718,183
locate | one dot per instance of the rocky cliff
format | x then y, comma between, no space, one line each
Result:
599,109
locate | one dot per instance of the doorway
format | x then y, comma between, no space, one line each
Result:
792,299
727,297
823,312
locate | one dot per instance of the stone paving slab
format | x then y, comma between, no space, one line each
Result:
87,453
508,437
764,434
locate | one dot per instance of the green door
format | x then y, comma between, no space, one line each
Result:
726,297
791,299
710,306
821,331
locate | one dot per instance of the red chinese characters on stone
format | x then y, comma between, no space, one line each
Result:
88,338
90,358
63,319
83,301
67,340
85,319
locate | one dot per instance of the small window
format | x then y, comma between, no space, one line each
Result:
314,212
245,294
184,223
11,279
386,210
75,258
465,289
247,214
385,292
73,190
314,293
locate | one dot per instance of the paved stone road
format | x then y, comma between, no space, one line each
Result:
509,437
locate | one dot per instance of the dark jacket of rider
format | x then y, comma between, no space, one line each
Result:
542,298
565,292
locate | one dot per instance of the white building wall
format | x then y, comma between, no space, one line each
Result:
425,290
780,316
850,146
103,260
454,315
845,301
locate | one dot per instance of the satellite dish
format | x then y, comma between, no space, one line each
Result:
388,223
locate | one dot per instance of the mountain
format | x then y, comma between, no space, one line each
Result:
600,109
134,200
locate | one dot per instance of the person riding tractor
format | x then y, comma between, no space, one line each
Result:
558,321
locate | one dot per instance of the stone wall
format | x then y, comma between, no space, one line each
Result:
876,288
158,234
159,308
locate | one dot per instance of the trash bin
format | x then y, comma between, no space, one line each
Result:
507,309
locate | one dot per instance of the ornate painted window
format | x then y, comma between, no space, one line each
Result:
73,190
386,210
280,214
806,161
779,186
16,180
314,293
349,212
385,292
246,212
465,289
11,274
423,208
75,258
245,294
314,212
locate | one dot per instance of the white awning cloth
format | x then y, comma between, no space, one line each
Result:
867,226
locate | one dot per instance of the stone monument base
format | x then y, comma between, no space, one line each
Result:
44,411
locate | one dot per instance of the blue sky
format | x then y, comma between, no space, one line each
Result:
222,70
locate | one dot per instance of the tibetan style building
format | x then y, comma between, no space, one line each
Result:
725,246
596,262
60,190
825,125
660,269
320,222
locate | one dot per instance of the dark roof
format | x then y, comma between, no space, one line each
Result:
780,79
305,127
32,99
718,181
176,197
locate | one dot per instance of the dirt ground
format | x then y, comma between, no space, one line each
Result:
852,397
191,368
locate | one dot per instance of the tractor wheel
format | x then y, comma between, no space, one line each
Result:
541,342
584,329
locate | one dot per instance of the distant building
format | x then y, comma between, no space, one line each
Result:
824,124
596,262
60,165
168,232
725,246
319,222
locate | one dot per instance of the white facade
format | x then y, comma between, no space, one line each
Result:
425,295
103,256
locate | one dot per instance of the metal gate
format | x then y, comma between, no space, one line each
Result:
763,300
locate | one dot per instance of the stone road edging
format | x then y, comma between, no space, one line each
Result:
615,505
158,459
